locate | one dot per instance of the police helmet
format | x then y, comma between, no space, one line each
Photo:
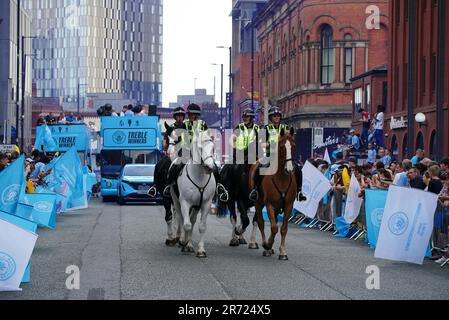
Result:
249,113
194,109
274,111
179,112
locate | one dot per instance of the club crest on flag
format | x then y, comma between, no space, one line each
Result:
398,223
7,266
306,187
11,194
376,217
43,206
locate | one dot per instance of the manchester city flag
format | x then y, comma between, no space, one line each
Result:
407,225
314,187
44,138
16,247
43,209
353,202
374,207
11,181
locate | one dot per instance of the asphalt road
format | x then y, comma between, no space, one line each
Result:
121,254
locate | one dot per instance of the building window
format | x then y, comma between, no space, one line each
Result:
433,145
368,97
327,56
394,147
358,99
419,141
348,65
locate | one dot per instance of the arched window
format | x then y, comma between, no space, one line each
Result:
394,147
405,147
433,145
327,55
419,141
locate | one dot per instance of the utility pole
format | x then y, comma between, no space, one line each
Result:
17,75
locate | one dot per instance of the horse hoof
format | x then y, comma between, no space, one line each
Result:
190,250
171,243
234,243
184,250
283,258
243,242
266,247
272,251
253,246
201,255
267,253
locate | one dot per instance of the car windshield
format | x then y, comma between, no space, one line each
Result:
140,171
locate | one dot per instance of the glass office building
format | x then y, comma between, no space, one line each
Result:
97,46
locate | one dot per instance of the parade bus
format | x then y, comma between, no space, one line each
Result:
60,138
124,141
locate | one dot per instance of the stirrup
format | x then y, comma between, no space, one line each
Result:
152,192
254,195
167,191
222,193
300,197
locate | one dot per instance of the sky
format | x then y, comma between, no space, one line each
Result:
192,31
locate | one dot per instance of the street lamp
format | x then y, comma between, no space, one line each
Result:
222,76
231,75
420,118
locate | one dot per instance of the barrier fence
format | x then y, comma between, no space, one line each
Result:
333,208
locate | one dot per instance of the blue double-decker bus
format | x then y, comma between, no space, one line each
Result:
127,140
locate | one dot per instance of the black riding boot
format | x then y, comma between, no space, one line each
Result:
172,176
298,174
254,195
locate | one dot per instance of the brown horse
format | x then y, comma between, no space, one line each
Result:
278,193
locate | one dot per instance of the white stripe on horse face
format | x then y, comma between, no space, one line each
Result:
288,147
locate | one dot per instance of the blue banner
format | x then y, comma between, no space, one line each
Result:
130,133
61,138
67,181
43,209
375,201
12,181
68,171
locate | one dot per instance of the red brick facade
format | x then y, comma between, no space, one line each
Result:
425,77
312,84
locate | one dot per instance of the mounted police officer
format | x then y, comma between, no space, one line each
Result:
246,136
272,135
179,116
190,126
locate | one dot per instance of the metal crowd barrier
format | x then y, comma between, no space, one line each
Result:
440,234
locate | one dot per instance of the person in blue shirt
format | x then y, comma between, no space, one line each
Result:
372,154
386,159
419,156
70,119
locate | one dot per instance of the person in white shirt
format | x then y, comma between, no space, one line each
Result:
378,123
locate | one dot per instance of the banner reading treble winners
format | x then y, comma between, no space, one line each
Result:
61,138
130,133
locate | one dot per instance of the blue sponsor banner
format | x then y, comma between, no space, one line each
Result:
375,201
130,133
26,225
61,138
43,209
12,182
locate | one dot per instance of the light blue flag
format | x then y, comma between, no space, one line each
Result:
43,209
375,201
26,225
327,174
66,179
12,180
44,138
342,227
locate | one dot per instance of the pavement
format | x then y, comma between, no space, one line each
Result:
121,254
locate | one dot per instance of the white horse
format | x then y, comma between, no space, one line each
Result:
197,187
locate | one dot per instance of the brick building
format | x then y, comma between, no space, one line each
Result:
245,55
418,78
309,52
